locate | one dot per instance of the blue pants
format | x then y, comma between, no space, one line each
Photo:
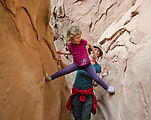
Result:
82,110
88,68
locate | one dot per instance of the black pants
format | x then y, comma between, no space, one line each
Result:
82,110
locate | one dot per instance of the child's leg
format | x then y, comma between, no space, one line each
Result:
65,71
90,70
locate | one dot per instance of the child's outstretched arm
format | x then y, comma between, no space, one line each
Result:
92,48
58,58
64,53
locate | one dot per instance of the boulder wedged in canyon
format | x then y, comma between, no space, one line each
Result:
26,52
123,30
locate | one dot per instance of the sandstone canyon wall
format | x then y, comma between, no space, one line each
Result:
123,29
26,52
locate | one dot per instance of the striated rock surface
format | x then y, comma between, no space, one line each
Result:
26,52
123,29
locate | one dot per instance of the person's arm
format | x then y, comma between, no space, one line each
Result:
58,58
92,48
64,53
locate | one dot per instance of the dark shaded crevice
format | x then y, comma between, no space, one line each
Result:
36,32
99,4
114,37
50,48
5,6
133,14
133,2
19,36
2,2
51,51
115,58
132,42
90,26
106,12
118,45
54,13
11,15
110,8
127,22
117,32
61,12
98,19
78,1
125,68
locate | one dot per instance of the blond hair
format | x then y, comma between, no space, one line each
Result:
72,31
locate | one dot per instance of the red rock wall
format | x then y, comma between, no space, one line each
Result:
26,52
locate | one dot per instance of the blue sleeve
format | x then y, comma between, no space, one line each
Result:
98,70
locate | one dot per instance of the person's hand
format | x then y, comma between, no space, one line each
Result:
93,56
95,84
105,72
58,56
58,52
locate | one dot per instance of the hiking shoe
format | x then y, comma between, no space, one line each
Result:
47,78
111,90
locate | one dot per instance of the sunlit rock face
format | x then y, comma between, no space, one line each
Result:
123,29
26,53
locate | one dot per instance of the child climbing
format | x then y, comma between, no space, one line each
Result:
81,61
